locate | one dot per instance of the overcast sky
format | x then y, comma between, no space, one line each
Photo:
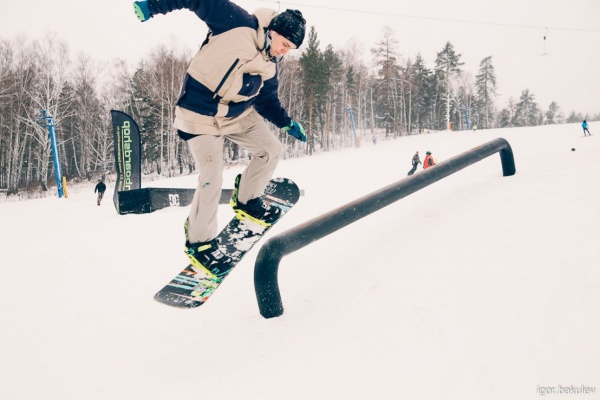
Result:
563,67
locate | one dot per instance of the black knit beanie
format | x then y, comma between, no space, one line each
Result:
291,25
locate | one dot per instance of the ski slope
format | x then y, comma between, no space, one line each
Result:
477,287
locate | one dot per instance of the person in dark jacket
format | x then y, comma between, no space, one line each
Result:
100,188
415,163
584,125
230,87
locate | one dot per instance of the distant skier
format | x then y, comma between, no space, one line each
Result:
415,163
428,161
100,188
584,125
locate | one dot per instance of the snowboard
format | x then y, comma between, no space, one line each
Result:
192,287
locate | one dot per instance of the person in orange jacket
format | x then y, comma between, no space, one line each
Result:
428,161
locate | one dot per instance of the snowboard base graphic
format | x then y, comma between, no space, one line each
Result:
193,286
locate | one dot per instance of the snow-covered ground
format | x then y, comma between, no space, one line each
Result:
477,287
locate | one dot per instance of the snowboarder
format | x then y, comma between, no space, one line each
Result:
415,163
100,188
428,162
584,125
230,86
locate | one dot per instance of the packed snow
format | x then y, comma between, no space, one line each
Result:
477,287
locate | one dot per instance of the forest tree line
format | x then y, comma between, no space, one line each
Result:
318,88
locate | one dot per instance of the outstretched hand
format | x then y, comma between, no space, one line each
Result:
296,130
141,10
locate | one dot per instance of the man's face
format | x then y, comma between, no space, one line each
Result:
280,46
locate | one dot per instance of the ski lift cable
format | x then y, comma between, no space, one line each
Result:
462,21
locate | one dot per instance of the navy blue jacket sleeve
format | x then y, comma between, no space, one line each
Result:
267,104
219,15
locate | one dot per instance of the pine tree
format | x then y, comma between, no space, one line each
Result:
315,82
527,112
486,92
447,64
423,94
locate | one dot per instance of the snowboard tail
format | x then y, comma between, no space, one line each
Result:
193,286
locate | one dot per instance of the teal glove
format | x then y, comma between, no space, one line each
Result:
296,130
141,10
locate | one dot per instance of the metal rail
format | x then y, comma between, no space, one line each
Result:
267,263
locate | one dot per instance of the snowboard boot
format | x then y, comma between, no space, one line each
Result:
255,210
208,257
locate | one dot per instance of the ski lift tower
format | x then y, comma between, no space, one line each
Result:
466,114
356,144
49,120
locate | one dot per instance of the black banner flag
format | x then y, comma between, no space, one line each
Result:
128,157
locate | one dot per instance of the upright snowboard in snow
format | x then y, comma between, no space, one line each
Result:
192,287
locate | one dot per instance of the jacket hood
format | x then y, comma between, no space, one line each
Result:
264,17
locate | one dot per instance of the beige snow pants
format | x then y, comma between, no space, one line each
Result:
207,150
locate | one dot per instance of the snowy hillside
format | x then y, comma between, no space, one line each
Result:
477,287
